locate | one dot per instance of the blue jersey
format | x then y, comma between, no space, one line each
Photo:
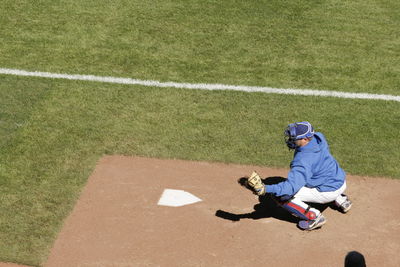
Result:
313,166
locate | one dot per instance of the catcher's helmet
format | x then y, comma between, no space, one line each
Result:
296,131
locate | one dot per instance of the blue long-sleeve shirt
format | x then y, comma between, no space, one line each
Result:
312,166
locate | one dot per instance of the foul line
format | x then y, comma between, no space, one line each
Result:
201,86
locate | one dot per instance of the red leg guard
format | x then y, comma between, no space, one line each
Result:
300,209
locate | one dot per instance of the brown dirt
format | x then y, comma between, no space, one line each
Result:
117,222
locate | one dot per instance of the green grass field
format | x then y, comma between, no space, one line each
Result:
52,132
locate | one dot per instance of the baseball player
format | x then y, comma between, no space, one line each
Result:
314,177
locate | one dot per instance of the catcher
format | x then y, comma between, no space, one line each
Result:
314,177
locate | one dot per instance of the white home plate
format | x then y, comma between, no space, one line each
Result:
177,198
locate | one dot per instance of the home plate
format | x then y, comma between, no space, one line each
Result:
177,198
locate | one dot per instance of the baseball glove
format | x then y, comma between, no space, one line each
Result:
255,182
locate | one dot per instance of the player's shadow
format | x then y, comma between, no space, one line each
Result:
267,208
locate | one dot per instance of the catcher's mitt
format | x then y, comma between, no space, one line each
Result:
255,182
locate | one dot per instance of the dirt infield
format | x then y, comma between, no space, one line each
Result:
117,221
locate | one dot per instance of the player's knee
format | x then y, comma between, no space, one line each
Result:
300,209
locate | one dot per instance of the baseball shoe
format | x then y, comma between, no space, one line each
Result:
346,205
312,224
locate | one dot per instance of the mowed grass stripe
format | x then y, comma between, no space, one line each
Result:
200,86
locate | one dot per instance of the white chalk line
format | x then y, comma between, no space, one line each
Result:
201,86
